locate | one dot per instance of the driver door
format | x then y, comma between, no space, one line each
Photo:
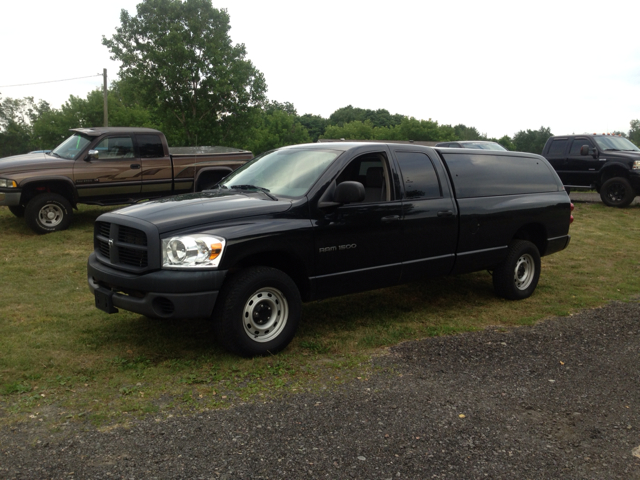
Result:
116,175
357,244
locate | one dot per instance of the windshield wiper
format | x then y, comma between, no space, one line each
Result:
55,154
254,187
611,149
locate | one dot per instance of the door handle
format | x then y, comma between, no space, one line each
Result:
445,213
135,166
390,218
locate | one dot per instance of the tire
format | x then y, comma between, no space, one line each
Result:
48,212
17,210
617,192
517,276
257,312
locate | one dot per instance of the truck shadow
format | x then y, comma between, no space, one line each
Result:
370,320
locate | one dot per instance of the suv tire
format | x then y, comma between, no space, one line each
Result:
257,312
517,276
617,192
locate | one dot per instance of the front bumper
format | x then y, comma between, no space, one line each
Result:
168,294
10,199
634,179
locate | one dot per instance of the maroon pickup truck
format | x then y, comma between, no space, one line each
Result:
107,166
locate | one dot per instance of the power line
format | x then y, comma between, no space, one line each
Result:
51,81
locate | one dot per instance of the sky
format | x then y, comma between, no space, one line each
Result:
499,66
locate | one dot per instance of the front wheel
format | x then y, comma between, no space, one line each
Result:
617,192
48,212
517,276
257,312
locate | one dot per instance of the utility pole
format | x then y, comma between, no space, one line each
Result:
106,108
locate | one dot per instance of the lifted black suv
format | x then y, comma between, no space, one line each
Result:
609,164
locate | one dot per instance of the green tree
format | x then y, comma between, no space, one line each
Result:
188,72
532,140
276,126
16,124
463,132
53,125
634,132
505,141
378,118
314,124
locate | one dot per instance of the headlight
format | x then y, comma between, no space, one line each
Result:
4,183
192,251
636,165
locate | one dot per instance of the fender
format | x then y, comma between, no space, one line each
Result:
58,179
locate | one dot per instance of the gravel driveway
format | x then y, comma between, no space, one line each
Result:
557,400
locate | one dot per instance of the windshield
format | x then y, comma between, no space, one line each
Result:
484,146
71,147
615,143
287,172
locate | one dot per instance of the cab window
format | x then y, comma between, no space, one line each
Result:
418,175
370,170
150,146
115,147
577,145
558,147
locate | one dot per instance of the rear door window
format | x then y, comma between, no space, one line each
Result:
150,146
558,147
419,177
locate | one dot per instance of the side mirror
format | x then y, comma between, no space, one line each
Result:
349,192
92,155
346,192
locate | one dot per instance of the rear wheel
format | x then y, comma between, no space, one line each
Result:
17,210
617,192
257,312
517,276
48,212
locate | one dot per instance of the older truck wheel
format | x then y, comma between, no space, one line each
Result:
48,212
617,192
517,276
257,312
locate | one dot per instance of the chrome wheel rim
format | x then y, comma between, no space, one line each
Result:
524,272
265,315
51,215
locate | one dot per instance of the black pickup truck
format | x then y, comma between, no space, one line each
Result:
609,164
313,221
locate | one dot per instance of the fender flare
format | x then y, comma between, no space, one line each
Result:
66,181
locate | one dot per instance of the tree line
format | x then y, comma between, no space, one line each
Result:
181,73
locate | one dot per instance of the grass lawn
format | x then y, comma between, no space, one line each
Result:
62,358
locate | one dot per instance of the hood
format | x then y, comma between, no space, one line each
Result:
621,154
30,161
193,209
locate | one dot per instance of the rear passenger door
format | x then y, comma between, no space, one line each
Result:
429,216
557,157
